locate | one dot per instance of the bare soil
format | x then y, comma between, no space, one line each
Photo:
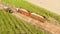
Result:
46,26
52,5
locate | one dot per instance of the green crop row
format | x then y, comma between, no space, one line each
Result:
18,26
32,8
11,25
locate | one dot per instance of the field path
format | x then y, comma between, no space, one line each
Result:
52,5
46,26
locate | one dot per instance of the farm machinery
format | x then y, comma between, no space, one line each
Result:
25,12
33,15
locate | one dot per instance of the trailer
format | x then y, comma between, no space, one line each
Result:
37,17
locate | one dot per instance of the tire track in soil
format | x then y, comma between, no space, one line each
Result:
46,26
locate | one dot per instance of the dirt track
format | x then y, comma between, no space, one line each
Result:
52,5
47,26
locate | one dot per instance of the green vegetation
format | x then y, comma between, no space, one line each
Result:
32,8
11,25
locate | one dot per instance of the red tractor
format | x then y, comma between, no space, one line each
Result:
23,11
